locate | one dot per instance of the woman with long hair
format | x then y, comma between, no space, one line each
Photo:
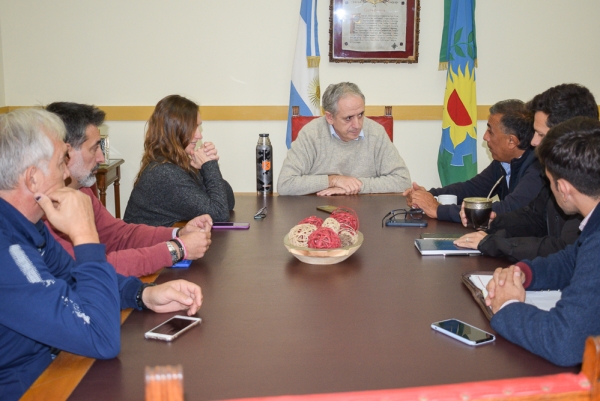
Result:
179,177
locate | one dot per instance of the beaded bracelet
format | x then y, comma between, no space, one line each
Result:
138,296
181,246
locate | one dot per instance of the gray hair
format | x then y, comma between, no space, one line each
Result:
506,106
517,120
24,142
335,92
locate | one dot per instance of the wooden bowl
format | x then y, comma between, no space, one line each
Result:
322,256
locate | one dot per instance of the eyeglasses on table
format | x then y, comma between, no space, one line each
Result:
415,214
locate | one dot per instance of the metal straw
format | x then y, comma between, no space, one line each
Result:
494,187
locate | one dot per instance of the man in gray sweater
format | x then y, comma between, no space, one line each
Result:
343,152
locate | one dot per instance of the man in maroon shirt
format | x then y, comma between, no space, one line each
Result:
133,249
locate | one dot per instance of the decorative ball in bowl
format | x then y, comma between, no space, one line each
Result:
323,256
325,242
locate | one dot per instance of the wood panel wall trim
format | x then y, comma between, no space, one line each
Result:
267,113
272,113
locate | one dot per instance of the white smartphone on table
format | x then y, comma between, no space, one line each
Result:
463,332
172,328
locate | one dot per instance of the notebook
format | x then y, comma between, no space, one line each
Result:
477,282
442,247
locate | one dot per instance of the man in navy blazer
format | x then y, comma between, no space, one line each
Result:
508,136
570,155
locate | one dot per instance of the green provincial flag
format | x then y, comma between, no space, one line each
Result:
457,158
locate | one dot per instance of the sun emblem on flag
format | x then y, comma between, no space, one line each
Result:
460,113
314,92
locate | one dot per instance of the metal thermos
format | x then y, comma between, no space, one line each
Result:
264,165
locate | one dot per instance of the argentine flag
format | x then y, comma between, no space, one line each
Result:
305,90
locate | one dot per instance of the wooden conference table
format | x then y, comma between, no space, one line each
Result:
275,326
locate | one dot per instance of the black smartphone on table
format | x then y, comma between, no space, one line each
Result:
406,223
463,332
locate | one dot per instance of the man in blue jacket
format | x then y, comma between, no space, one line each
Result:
508,136
570,154
50,301
541,228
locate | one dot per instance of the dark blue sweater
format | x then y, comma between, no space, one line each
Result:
47,300
525,183
559,335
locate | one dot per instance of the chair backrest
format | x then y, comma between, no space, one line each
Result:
299,121
164,383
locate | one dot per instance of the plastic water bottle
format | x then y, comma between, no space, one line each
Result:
264,165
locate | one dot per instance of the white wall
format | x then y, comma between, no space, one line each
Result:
240,53
2,98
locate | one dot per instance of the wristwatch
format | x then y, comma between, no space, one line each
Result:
138,296
173,252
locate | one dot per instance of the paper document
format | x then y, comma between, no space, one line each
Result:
544,300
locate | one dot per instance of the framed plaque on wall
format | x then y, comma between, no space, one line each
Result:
374,31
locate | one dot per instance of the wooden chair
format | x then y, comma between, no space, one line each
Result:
164,383
181,223
299,121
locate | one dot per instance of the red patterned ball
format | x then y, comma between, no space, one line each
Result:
346,217
314,220
324,238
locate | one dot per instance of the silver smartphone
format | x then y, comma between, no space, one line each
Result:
463,332
172,328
